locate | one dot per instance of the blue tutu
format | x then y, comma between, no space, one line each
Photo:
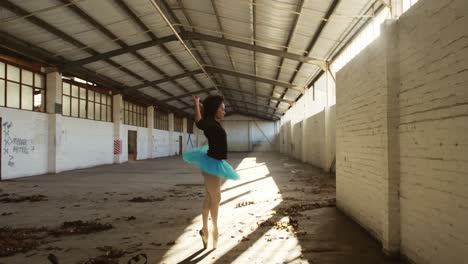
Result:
220,168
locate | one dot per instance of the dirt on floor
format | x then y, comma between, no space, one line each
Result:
281,211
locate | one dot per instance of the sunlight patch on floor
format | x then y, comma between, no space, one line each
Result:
245,203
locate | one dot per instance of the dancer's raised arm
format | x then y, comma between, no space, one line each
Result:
198,108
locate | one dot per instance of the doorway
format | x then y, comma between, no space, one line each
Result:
180,145
132,145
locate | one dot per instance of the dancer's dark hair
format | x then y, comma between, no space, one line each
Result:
211,105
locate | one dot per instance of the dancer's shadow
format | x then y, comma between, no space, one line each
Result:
192,259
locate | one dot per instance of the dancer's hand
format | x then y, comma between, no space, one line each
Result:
196,101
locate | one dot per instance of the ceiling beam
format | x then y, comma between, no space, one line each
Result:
246,106
173,16
153,37
251,77
251,108
31,51
254,42
83,15
189,35
117,52
252,113
57,32
231,60
261,105
288,41
188,94
314,40
166,79
255,47
337,51
257,95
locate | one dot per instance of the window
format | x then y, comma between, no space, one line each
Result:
407,4
21,88
84,100
177,124
161,120
134,115
189,126
362,40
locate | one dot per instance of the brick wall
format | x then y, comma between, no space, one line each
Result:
407,94
307,130
433,131
359,137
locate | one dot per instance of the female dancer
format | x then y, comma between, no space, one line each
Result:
211,159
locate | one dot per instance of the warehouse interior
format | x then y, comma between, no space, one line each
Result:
346,120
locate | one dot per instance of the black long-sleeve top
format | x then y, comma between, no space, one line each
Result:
217,138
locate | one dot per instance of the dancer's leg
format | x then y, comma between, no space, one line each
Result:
214,190
206,210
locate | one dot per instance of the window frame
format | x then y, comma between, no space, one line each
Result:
85,113
34,86
135,114
178,124
161,120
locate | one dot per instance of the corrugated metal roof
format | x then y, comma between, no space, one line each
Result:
286,26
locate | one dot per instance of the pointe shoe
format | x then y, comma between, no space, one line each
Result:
204,239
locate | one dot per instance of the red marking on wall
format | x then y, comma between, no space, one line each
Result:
117,146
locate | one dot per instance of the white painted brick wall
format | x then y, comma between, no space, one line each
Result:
307,130
246,133
433,120
433,131
314,139
297,140
24,143
262,135
161,147
83,143
360,134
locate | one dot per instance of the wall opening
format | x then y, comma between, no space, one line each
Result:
180,145
132,145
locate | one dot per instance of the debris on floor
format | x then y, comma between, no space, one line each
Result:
295,209
146,199
13,198
243,204
290,225
20,240
80,227
6,214
111,256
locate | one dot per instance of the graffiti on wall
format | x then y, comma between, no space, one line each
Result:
13,145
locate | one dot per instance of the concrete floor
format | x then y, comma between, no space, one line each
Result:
271,181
